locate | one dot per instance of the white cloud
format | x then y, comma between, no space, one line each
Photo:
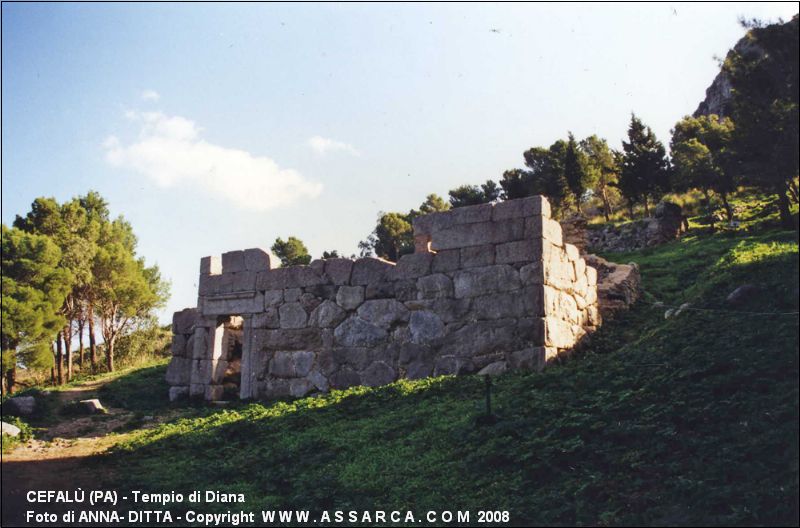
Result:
322,145
170,151
150,95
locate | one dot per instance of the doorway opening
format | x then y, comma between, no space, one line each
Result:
231,353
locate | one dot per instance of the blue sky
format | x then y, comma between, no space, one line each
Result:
215,127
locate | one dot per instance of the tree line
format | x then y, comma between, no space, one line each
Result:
755,146
69,271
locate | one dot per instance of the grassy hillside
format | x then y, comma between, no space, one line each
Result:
690,419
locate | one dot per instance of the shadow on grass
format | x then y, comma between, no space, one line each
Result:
142,390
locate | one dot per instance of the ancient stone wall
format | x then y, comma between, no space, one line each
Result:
488,283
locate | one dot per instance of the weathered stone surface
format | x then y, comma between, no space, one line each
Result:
350,297
479,281
558,333
292,315
516,251
412,266
465,235
551,231
448,260
521,208
379,373
345,377
300,387
291,277
405,290
309,302
201,348
435,286
425,327
286,339
507,304
383,312
419,370
380,290
532,273
449,365
319,380
267,319
246,302
9,429
357,357
19,406
369,270
477,256
92,406
178,371
287,364
291,295
572,252
527,359
358,332
338,270
183,321
273,298
480,338
233,261
327,315
256,259
178,346
214,393
494,369
178,393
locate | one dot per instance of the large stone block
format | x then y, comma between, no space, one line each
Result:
233,261
432,223
201,343
269,318
350,297
559,304
236,281
179,371
521,208
436,286
465,235
338,270
344,378
178,346
286,339
480,338
551,231
558,333
412,266
358,332
532,358
273,298
234,303
425,327
477,256
380,290
357,357
379,373
523,302
286,364
183,321
256,259
532,273
369,270
327,315
452,365
444,261
490,279
292,315
290,277
383,312
178,393
517,251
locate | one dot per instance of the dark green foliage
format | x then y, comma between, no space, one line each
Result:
291,252
144,389
474,194
644,171
544,175
580,179
688,420
764,80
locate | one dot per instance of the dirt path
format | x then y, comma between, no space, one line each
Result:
63,457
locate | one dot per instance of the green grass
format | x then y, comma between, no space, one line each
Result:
140,389
10,442
686,420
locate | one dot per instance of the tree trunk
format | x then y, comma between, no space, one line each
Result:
52,375
59,360
646,208
68,349
783,207
728,209
80,343
606,204
92,344
709,209
110,354
11,378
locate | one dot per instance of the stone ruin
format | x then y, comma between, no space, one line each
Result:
488,285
